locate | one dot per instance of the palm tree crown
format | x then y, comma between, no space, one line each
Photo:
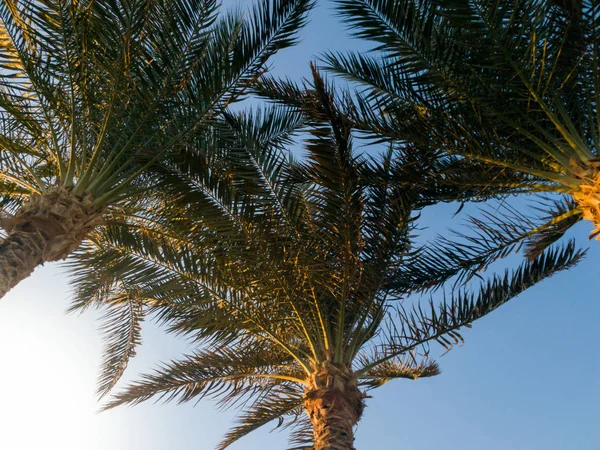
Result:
510,86
94,93
293,286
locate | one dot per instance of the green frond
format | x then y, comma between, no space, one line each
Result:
380,373
122,334
442,324
494,234
230,374
242,45
557,219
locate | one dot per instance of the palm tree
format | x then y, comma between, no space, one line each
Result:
295,286
512,87
94,93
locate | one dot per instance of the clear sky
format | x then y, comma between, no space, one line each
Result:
527,378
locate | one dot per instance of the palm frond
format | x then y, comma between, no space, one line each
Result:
400,367
420,325
495,233
231,374
122,334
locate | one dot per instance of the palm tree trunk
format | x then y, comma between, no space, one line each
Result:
48,227
20,254
334,405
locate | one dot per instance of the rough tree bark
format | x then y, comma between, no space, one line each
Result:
48,227
334,405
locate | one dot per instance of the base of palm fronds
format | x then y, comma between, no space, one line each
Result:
62,219
588,195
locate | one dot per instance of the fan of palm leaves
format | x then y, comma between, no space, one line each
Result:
95,93
509,87
293,284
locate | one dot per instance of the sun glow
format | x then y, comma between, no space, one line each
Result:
46,376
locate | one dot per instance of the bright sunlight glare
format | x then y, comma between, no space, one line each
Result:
46,387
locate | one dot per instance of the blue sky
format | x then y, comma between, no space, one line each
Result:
527,378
